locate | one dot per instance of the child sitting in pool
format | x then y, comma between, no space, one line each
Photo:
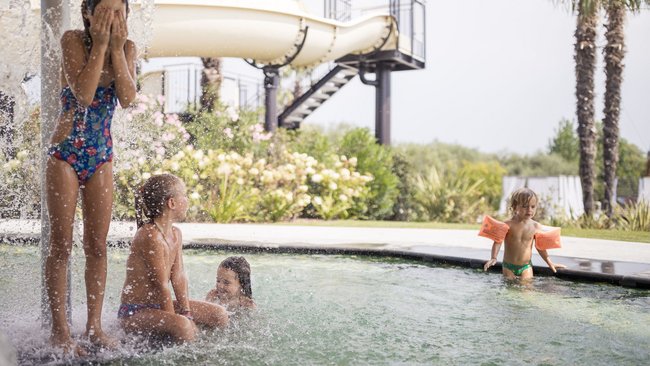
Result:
233,288
155,260
519,238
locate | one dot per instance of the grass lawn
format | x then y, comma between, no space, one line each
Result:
635,236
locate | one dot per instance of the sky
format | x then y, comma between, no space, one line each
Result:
499,77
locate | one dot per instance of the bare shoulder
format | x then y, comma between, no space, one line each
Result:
178,235
145,237
537,225
248,303
72,37
211,296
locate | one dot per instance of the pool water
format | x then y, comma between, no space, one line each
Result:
331,309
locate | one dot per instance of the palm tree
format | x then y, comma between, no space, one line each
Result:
211,80
585,58
614,52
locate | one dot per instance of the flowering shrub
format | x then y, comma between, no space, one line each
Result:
235,171
143,138
228,130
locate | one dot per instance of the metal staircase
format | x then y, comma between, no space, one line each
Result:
318,94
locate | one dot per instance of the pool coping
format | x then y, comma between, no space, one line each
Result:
433,256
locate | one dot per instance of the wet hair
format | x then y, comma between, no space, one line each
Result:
151,197
89,6
520,197
242,269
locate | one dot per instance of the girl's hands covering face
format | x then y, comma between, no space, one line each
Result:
100,26
119,30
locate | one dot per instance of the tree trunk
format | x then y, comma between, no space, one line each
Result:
585,58
614,53
211,80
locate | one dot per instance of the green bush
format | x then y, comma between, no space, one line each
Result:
375,160
449,197
490,174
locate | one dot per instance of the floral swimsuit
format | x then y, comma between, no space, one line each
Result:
89,145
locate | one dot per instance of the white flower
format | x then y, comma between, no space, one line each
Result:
224,169
195,196
317,201
353,161
316,178
333,186
343,198
175,166
198,155
146,175
240,181
253,171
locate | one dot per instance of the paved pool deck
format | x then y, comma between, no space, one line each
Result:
616,262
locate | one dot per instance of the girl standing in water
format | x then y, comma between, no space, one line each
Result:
98,71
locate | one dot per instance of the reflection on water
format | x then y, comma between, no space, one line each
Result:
351,310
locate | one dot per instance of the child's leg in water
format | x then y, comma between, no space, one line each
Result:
62,190
207,314
97,203
160,323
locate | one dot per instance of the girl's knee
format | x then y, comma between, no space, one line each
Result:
185,331
59,251
95,248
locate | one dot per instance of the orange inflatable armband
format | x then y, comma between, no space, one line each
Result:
548,238
493,229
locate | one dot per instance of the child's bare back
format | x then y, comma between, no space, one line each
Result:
147,251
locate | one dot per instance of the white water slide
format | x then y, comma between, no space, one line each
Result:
267,31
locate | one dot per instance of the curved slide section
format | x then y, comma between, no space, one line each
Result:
269,32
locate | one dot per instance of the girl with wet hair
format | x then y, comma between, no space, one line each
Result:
98,70
155,261
233,287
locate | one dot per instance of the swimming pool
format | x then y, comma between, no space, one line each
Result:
334,309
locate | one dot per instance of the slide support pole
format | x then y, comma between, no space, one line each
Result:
271,82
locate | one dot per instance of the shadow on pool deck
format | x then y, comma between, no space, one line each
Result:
426,245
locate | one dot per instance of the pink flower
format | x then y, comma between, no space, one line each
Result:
78,142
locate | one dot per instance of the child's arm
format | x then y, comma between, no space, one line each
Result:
544,254
211,296
493,259
179,278
154,258
123,57
83,76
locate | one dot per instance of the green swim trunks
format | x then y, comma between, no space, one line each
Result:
517,269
